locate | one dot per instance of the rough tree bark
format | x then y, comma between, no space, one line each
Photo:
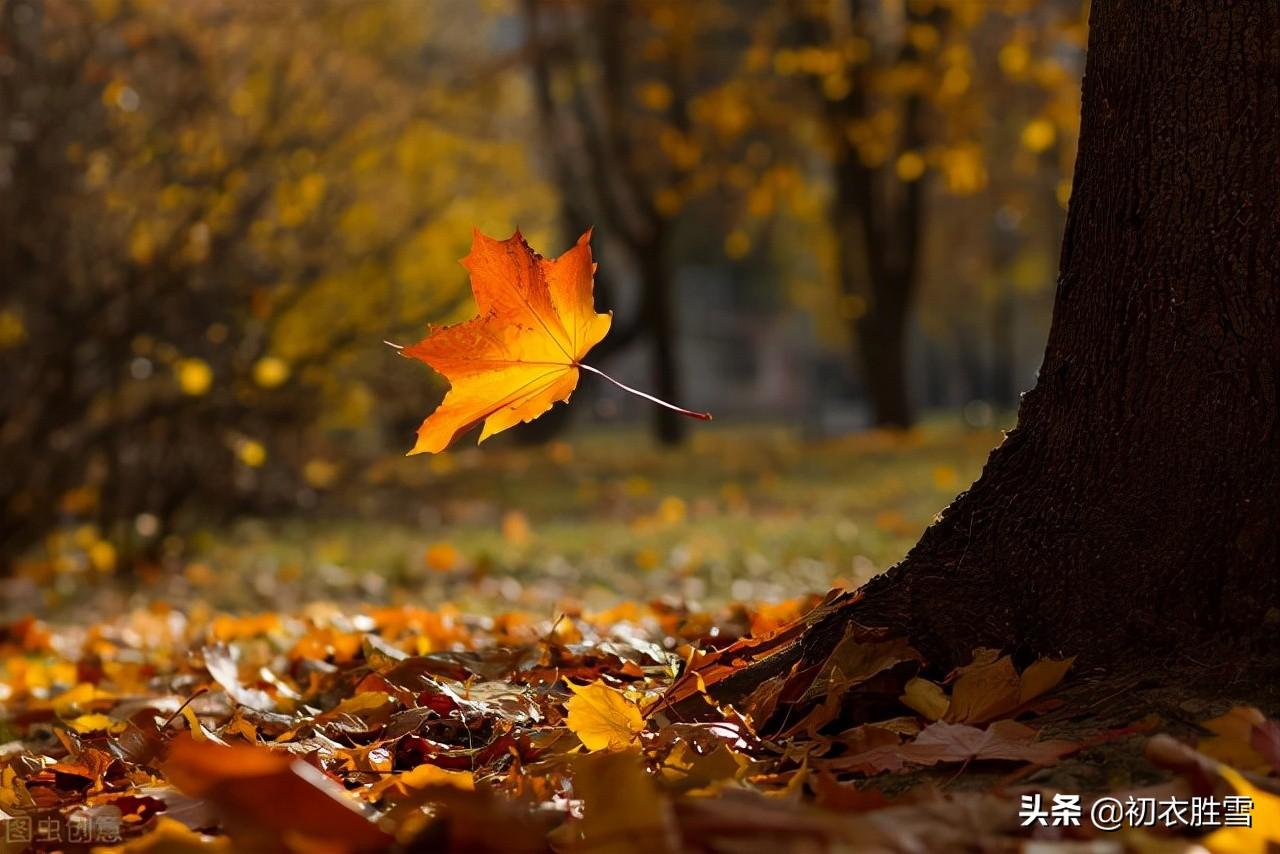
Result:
1135,509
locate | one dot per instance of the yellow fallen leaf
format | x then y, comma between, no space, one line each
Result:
622,808
420,778
366,701
925,697
1232,737
95,722
1264,834
1042,677
170,837
77,699
602,717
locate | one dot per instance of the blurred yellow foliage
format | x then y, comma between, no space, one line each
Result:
1038,135
12,330
270,372
194,376
252,453
910,165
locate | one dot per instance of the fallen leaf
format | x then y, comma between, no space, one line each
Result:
845,798
269,790
602,717
95,722
854,661
622,809
422,777
1007,739
80,699
1242,738
90,764
222,667
990,687
870,750
984,690
520,354
1263,834
684,768
1042,677
171,837
927,698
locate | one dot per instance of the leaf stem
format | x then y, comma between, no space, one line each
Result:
702,416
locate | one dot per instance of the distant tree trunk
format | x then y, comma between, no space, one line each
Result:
879,221
1135,509
599,169
881,341
879,240
659,318
1004,357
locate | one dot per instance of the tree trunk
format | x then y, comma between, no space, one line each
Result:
660,324
881,342
1004,355
1135,509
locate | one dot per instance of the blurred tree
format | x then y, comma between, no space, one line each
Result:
642,117
210,215
892,84
593,125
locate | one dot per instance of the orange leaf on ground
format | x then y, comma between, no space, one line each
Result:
266,790
520,354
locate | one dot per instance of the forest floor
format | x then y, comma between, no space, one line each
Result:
525,652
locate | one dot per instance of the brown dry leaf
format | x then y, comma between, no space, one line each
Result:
870,750
1007,739
602,717
269,790
854,661
985,689
831,794
704,675
90,764
990,687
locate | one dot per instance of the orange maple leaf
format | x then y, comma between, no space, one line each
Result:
523,352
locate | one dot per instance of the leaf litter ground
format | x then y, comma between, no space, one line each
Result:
406,729
550,708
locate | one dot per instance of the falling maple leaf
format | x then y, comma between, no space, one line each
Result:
523,352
